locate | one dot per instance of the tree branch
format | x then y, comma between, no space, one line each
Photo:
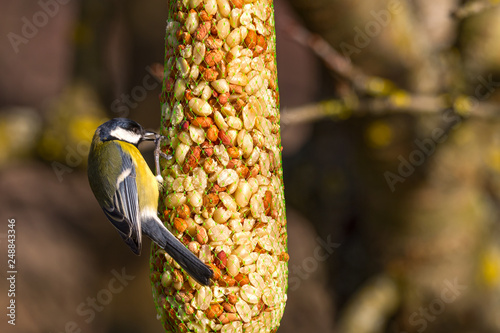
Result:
417,104
473,8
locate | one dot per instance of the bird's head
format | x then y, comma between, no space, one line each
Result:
124,129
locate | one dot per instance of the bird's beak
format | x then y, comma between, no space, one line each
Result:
150,136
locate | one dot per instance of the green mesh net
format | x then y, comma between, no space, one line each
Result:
223,189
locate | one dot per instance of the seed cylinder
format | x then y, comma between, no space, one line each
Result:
222,194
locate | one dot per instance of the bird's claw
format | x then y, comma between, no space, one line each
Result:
157,154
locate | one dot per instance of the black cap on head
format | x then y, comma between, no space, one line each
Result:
121,129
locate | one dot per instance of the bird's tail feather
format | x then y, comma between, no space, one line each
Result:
155,230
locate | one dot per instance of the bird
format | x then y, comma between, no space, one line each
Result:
128,192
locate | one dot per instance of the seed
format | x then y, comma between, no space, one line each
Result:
209,74
224,8
269,297
233,265
194,3
197,134
251,39
227,281
220,122
183,211
238,79
284,257
227,177
234,38
242,279
221,86
179,224
213,57
198,52
191,23
179,89
205,254
267,202
234,17
194,247
195,199
219,233
247,145
198,89
226,318
254,85
207,92
244,311
250,294
237,3
221,260
266,264
228,201
201,235
263,125
216,189
202,31
239,104
212,133
203,122
257,281
166,278
236,89
234,122
231,189
211,200
224,138
223,28
188,95
249,116
232,298
203,298
233,152
200,107
214,311
188,309
182,296
204,16
246,18
228,307
211,7
192,159
214,43
175,199
254,157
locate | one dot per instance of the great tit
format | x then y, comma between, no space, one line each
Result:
127,191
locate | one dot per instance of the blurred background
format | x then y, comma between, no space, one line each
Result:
390,128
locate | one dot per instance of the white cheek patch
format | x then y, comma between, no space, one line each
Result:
124,135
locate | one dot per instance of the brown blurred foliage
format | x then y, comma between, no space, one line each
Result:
405,203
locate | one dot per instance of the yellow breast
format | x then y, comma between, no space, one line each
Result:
147,185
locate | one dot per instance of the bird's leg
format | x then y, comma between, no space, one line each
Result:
157,153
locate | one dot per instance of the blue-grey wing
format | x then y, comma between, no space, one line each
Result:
124,211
